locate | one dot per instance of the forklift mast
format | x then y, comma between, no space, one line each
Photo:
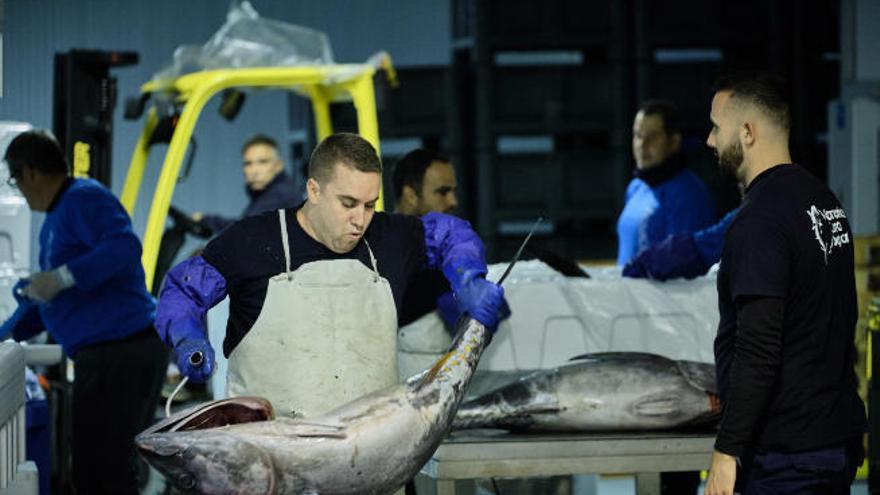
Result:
83,100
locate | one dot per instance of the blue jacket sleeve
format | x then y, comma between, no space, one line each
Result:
191,289
709,241
681,255
23,324
453,247
675,257
101,223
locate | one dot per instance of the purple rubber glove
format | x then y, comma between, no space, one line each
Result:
480,299
188,362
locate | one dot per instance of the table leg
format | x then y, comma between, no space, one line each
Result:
647,483
446,487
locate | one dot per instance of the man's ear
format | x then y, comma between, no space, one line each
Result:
409,198
747,133
313,189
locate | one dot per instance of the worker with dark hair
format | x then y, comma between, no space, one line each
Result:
91,296
665,197
268,185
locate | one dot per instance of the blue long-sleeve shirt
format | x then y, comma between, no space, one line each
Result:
87,229
242,259
679,204
685,255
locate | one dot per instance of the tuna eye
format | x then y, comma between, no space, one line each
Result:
186,481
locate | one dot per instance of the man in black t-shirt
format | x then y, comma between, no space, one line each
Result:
792,419
315,291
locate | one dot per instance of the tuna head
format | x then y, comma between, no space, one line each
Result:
208,462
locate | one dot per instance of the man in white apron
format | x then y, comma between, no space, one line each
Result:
315,290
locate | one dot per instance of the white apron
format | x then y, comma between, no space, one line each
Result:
327,334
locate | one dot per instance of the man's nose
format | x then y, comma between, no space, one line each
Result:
358,217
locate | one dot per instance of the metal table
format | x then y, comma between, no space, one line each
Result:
493,454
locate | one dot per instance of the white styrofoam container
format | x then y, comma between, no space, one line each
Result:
555,318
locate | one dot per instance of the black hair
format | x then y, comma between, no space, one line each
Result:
765,90
36,149
410,169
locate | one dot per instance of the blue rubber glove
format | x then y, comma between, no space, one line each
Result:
24,304
674,257
185,350
447,308
479,298
18,291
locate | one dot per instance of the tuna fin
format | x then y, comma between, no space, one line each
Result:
657,405
312,430
431,373
618,356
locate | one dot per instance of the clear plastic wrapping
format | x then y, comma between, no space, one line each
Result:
248,40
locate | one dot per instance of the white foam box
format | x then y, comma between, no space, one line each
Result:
555,318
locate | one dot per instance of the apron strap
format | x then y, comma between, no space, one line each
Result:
372,260
282,217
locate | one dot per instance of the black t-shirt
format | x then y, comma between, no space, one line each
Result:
250,252
791,240
421,296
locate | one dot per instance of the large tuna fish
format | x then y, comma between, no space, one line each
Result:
373,444
601,392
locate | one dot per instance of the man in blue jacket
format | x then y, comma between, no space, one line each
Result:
267,184
316,290
91,296
664,198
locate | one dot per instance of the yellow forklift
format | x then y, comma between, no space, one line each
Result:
188,94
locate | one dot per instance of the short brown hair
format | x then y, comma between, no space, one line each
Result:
343,148
668,113
259,139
